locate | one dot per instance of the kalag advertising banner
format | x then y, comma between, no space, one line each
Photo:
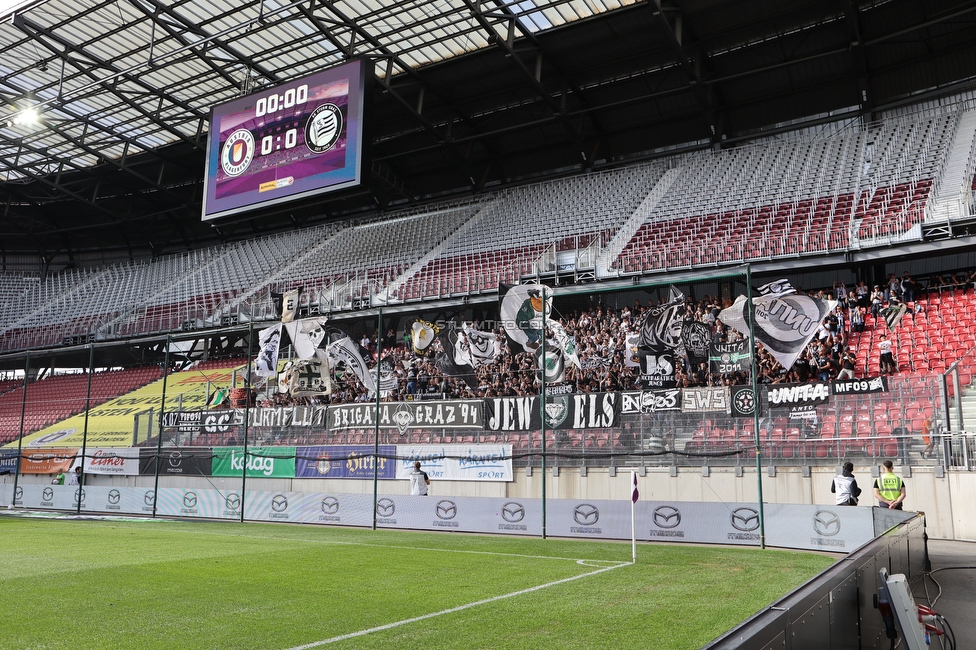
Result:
259,462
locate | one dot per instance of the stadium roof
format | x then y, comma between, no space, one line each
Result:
469,95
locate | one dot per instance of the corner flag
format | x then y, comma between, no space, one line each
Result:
636,494
633,521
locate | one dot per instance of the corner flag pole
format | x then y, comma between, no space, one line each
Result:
633,519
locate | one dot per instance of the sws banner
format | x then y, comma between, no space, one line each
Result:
576,411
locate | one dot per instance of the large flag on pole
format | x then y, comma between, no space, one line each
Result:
785,322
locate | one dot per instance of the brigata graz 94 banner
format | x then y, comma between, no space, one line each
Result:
454,414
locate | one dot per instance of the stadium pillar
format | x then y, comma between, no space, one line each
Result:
247,411
376,417
750,311
84,435
159,434
20,438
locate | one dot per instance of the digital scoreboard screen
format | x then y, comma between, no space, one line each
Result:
292,141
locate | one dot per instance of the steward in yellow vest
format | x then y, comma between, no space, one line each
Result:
889,489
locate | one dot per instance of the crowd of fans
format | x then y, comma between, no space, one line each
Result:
600,334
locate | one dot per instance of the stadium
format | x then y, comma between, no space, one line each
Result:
610,271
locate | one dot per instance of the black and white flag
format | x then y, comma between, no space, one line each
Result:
307,377
308,336
454,359
776,288
289,305
422,334
521,311
481,346
266,364
785,323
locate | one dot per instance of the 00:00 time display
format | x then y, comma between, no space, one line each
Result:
276,102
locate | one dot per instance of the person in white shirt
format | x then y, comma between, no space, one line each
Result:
418,481
845,487
886,362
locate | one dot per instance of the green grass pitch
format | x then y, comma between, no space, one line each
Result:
104,584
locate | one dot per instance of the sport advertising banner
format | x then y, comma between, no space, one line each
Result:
8,461
462,514
117,461
47,461
404,416
839,529
176,461
260,462
457,462
344,461
576,411
650,401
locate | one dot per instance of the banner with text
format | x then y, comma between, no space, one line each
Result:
260,462
576,411
344,461
457,462
456,414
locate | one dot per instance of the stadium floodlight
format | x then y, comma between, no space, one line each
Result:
27,116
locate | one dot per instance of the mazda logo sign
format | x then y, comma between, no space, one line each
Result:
745,519
19,493
190,499
330,505
48,494
446,509
232,501
513,512
666,517
385,507
586,514
114,496
826,523
79,496
175,459
149,497
279,503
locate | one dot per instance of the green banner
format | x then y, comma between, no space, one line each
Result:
261,462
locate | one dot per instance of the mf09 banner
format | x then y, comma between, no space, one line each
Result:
260,462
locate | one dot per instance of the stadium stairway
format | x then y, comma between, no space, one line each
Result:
952,198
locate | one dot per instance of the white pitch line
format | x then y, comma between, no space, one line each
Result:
459,608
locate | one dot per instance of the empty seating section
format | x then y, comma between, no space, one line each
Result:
510,231
358,261
828,192
900,165
56,398
785,199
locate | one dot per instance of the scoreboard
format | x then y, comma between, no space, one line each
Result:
288,142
